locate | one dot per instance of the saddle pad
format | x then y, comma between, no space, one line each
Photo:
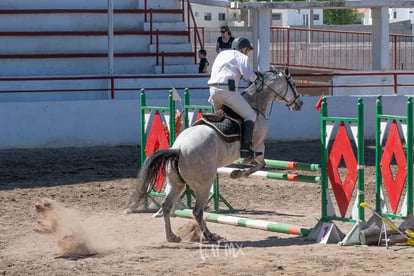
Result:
228,128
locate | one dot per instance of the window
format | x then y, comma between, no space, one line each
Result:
207,16
222,17
395,14
305,18
316,17
276,16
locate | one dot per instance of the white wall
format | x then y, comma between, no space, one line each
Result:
116,122
64,124
376,85
295,17
289,17
402,14
199,12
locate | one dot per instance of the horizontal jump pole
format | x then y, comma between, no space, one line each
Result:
248,223
288,165
276,175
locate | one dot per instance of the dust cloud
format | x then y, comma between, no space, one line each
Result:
73,235
190,232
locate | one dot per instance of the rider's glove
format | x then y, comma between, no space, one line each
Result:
259,75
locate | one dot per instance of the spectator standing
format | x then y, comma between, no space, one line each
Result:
225,40
203,65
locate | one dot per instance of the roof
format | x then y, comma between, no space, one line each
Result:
220,3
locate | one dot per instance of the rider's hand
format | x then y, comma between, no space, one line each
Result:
259,75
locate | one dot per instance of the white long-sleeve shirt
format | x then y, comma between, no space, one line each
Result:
231,64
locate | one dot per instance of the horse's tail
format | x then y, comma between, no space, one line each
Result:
150,172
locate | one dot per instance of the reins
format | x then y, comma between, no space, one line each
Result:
258,90
289,84
259,85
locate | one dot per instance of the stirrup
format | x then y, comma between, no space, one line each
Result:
248,152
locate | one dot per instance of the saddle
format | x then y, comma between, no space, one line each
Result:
225,121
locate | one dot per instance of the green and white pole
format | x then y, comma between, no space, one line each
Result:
275,175
287,165
248,223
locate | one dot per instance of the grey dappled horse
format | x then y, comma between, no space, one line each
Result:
198,151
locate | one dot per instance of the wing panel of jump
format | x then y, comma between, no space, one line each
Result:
157,140
156,123
391,132
342,148
394,148
344,132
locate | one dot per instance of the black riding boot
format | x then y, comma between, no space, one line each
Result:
245,149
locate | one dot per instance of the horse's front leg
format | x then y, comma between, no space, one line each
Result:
259,164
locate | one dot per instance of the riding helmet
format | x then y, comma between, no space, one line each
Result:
240,43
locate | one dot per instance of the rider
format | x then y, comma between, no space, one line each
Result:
228,68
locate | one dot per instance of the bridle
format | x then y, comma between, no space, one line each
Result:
290,83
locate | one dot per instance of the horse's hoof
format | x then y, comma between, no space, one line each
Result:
235,174
249,161
158,214
174,238
214,237
127,211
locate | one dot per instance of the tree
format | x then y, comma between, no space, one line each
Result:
340,16
331,16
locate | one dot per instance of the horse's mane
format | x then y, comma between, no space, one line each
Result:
257,85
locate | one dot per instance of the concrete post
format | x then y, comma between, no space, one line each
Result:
261,38
255,37
110,37
380,39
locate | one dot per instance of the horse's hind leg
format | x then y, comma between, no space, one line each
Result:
201,202
177,188
260,164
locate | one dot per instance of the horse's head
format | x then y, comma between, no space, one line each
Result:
283,86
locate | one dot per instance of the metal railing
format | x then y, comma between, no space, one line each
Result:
362,83
70,84
336,50
312,84
197,38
